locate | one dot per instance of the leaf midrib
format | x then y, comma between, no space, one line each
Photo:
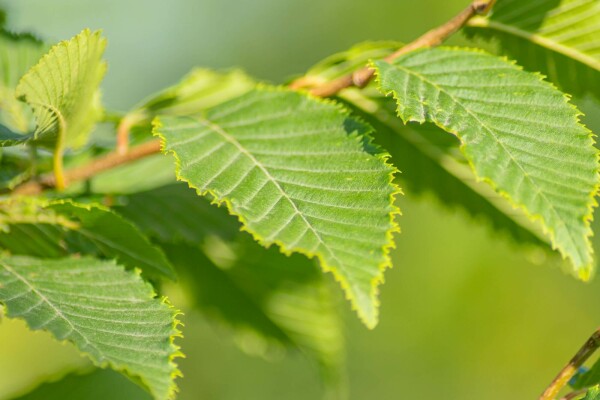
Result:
57,311
216,128
425,80
480,22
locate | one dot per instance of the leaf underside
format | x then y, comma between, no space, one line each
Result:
56,229
518,132
283,300
62,89
556,37
300,173
108,313
18,53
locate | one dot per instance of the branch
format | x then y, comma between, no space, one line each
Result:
104,163
359,78
432,38
571,368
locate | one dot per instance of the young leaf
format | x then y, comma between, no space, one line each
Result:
62,89
557,37
300,173
200,90
110,314
518,132
57,228
19,53
280,299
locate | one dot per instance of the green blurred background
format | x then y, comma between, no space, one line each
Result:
465,315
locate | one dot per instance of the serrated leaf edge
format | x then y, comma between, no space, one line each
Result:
584,272
394,227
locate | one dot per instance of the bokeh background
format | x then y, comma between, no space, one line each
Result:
465,314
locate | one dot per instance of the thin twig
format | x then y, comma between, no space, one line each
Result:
432,38
104,163
574,395
359,78
563,377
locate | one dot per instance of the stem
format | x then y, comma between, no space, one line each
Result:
563,377
574,395
125,155
57,162
127,122
104,163
432,38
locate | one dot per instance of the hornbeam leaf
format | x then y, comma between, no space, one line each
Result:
300,173
556,37
18,53
62,89
110,314
518,132
55,229
429,159
431,163
261,294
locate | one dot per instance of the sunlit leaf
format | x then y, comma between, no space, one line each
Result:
62,89
110,314
557,37
518,132
299,173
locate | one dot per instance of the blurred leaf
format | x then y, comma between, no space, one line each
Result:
108,313
97,385
57,228
200,90
518,132
62,89
263,295
19,52
174,213
588,378
557,37
298,172
593,393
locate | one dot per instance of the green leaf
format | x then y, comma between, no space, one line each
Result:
19,52
593,393
55,229
428,158
174,213
270,300
518,132
62,89
431,163
589,378
300,173
200,90
110,314
97,385
557,37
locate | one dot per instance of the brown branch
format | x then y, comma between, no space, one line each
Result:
359,78
574,395
104,163
571,368
432,38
